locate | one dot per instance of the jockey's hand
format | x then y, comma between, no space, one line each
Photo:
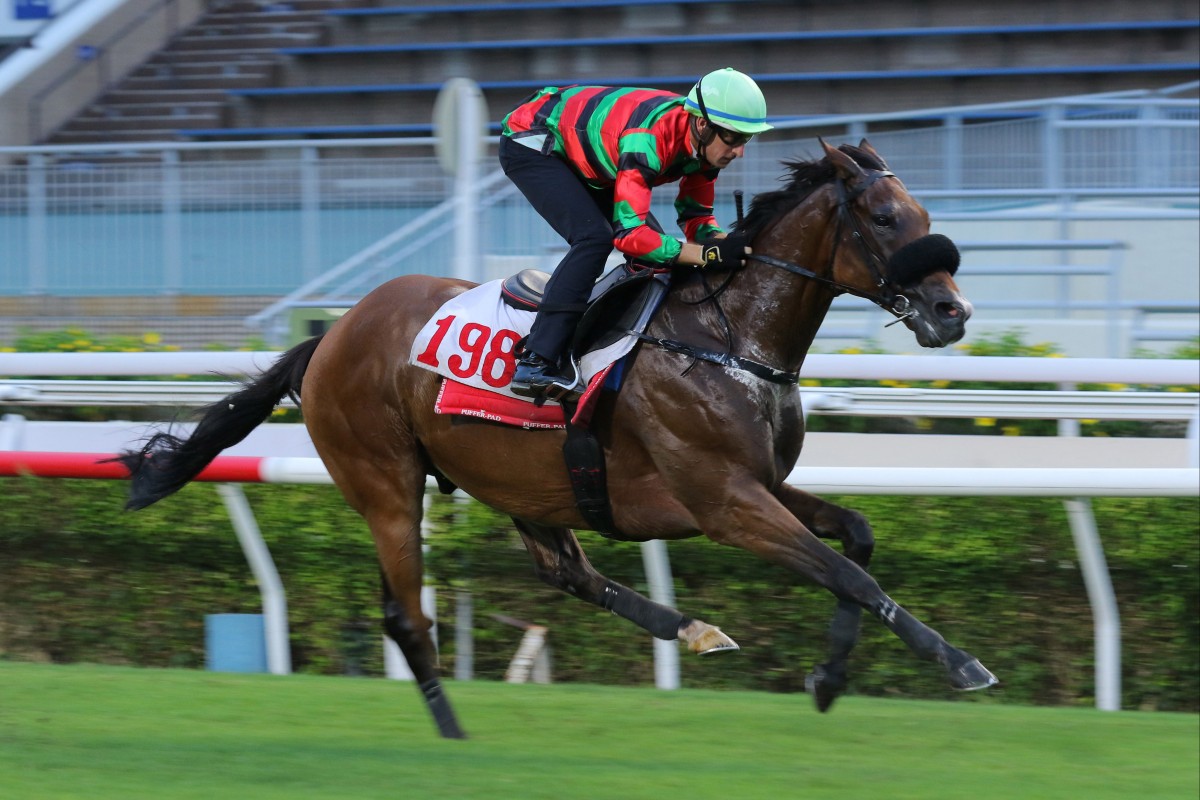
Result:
724,252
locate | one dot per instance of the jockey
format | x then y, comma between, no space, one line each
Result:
587,157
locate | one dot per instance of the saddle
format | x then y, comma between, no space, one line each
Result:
622,302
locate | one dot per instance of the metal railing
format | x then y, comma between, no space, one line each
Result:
313,221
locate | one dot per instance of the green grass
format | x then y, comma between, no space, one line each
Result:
108,732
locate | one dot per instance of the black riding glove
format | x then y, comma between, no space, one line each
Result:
727,253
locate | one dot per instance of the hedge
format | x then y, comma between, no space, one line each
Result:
81,580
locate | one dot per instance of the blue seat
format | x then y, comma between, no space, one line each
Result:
302,131
542,5
767,78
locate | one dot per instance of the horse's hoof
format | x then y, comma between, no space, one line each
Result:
823,688
712,640
971,676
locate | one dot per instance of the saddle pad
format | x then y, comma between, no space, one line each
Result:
458,398
471,339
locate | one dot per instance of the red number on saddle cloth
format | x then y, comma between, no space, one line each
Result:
487,352
430,355
500,353
471,341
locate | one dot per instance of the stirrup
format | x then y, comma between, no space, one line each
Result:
568,387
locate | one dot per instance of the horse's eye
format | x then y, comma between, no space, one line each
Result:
884,221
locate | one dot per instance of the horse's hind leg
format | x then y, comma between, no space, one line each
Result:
560,562
396,526
827,681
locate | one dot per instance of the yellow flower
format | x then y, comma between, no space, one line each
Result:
1088,421
152,338
1011,430
985,422
940,384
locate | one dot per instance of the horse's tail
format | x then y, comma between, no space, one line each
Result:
165,463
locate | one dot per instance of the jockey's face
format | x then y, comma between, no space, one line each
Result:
724,147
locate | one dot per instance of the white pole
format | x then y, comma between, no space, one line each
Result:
466,212
662,591
464,641
275,625
1105,616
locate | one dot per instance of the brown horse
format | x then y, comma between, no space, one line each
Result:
697,443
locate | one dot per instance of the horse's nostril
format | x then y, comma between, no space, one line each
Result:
953,312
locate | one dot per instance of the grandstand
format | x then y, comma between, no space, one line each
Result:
320,68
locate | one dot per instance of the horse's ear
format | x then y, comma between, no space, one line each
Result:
847,168
865,146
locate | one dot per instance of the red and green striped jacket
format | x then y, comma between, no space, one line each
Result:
631,140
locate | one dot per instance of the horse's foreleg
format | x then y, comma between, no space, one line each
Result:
828,681
760,525
560,562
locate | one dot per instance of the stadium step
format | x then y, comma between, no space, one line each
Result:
140,124
123,95
115,137
260,80
180,56
286,6
263,42
206,68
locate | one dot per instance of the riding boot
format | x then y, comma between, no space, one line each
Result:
533,375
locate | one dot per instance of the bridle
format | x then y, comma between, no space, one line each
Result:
884,296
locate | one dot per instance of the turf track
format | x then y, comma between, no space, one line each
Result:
105,732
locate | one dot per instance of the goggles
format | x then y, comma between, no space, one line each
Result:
731,138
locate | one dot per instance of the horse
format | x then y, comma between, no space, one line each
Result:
698,441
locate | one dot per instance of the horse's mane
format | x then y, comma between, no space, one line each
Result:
804,177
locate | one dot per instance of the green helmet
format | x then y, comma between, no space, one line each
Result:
730,99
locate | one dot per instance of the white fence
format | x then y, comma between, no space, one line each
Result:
1165,468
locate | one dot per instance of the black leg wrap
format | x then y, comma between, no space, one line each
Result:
662,622
439,706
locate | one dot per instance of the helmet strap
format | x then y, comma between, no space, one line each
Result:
703,139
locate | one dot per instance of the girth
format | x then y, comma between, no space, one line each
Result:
755,368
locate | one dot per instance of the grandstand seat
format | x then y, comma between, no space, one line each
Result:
750,37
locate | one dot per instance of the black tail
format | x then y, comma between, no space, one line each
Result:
165,463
